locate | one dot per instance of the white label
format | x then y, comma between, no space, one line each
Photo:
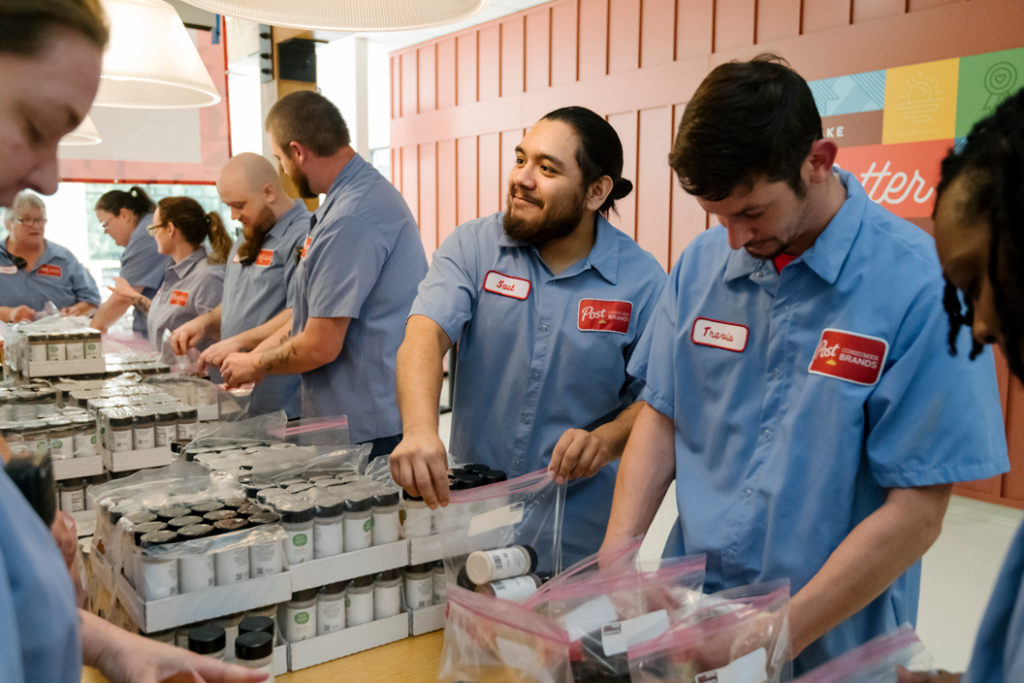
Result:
715,333
8,270
328,539
330,616
186,430
419,592
92,349
618,637
38,353
524,658
55,352
72,501
358,533
358,608
387,528
387,601
440,587
751,668
589,617
516,590
62,448
195,573
159,579
298,547
299,624
121,440
75,351
495,519
265,559
232,566
143,438
165,434
85,444
514,287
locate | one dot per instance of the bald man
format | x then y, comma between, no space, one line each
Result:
258,276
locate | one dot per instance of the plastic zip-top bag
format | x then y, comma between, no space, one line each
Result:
875,661
743,637
489,640
624,560
504,539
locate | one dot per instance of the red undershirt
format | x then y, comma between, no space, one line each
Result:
781,261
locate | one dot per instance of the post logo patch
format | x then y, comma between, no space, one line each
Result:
728,336
179,298
50,270
851,357
596,315
499,283
265,258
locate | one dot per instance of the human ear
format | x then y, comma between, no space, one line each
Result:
598,192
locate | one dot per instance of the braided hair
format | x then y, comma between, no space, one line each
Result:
992,162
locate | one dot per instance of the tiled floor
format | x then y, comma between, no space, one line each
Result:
958,574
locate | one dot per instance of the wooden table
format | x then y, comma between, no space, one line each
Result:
412,660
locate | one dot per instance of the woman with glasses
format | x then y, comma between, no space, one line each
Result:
125,217
193,283
34,270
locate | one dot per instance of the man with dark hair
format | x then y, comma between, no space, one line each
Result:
798,389
547,301
356,279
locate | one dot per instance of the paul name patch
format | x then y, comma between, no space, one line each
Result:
179,298
265,258
596,315
50,270
499,283
851,357
8,270
728,336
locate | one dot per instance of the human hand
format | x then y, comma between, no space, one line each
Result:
122,289
419,464
579,453
186,336
21,313
242,368
64,533
906,676
215,354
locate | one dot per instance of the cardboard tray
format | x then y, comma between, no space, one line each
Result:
346,642
74,468
316,573
427,619
127,461
62,368
425,549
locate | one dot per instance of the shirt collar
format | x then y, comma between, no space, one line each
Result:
603,257
185,266
287,218
352,167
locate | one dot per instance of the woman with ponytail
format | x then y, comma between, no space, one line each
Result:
125,217
193,283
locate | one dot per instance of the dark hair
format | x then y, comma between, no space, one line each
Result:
310,119
992,163
196,225
746,120
598,150
135,200
25,25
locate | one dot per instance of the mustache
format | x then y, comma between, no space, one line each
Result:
513,195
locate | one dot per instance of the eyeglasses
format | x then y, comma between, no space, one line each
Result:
41,222
153,228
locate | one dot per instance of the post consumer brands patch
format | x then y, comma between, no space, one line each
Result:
604,316
728,336
179,298
851,357
265,258
499,283
51,270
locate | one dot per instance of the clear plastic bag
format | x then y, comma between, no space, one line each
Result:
489,640
319,431
743,637
876,660
624,559
526,511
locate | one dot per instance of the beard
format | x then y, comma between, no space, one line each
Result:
301,181
255,235
555,222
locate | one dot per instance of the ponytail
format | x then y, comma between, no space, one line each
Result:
196,226
135,200
220,241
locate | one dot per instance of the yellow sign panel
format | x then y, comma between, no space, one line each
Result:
920,102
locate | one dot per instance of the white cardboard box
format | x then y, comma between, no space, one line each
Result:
63,368
281,660
348,641
425,549
345,566
178,610
427,619
72,468
124,461
209,413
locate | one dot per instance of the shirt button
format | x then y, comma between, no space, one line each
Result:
748,492
543,328
759,274
777,373
536,375
526,420
766,433
785,309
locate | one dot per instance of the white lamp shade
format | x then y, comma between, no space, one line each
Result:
85,134
151,62
347,15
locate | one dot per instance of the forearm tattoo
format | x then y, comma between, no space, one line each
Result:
143,304
280,354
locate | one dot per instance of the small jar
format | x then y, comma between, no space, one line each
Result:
264,495
232,565
119,433
297,519
37,437
37,348
484,566
179,523
169,512
298,616
72,495
359,601
328,527
181,635
387,527
387,594
158,576
298,488
517,589
330,608
419,586
195,572
62,439
144,430
74,344
166,427
230,624
255,650
209,640
46,402
130,554
56,351
252,623
14,434
268,611
417,518
214,516
188,423
93,345
235,503
358,524
207,506
440,583
25,407
84,436
265,558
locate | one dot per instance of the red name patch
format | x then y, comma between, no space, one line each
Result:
265,258
499,283
305,247
604,316
728,336
51,270
179,298
850,357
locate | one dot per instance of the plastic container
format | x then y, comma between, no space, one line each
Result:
387,526
359,601
93,345
328,527
516,589
232,565
252,623
166,429
358,524
419,586
387,594
158,577
37,348
61,439
418,519
195,572
297,519
144,430
298,616
74,344
230,624
208,640
330,608
188,423
72,495
255,650
440,583
265,558
169,512
119,433
56,350
484,566
84,436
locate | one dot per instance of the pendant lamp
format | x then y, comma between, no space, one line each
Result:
85,134
151,62
347,15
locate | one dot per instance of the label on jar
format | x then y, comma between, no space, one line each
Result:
419,592
158,579
298,547
358,534
61,448
92,349
41,445
299,624
165,434
440,587
386,528
186,430
419,522
120,440
330,616
387,601
144,438
72,501
85,444
196,573
55,352
38,353
265,559
232,566
358,608
516,590
75,351
328,539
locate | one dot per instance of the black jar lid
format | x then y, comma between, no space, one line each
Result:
492,477
232,524
190,533
120,421
248,508
304,595
474,468
320,477
253,645
217,515
156,538
458,471
182,522
386,499
333,588
254,624
298,488
290,482
363,505
188,414
207,506
389,575
169,512
207,639
141,517
234,503
330,506
466,481
265,517
293,510
140,530
361,581
145,418
421,568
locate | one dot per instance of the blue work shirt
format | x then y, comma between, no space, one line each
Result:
537,360
142,265
363,261
38,617
998,655
57,276
255,293
775,464
190,288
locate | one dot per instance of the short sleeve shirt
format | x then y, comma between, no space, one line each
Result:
190,288
800,397
540,353
363,260
142,265
255,293
57,276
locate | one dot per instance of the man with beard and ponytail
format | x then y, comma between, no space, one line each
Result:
546,302
259,273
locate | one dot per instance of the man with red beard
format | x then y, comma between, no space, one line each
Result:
259,273
546,301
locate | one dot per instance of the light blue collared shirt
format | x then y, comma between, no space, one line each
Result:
534,362
143,265
190,288
57,276
775,464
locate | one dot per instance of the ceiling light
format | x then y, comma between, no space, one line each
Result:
85,134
